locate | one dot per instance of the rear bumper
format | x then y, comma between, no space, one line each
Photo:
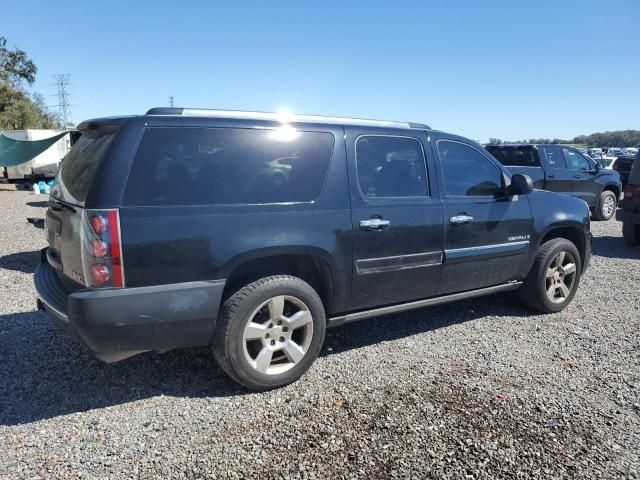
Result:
118,323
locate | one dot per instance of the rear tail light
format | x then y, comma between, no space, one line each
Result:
632,192
98,224
101,251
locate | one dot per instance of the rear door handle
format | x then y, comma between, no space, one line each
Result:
551,175
374,224
461,219
577,177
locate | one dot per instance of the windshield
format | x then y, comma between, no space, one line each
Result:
79,167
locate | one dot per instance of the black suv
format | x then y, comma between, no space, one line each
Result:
252,233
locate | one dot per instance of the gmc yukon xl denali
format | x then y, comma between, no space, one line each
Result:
252,234
563,169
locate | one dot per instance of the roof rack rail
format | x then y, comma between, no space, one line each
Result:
281,117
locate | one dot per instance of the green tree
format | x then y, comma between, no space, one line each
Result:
15,66
495,141
18,109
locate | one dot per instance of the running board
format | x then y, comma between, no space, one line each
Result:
376,312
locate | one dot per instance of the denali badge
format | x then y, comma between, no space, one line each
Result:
519,237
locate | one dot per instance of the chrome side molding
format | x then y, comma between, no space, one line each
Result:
377,312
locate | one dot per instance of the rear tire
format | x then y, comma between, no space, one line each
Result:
554,278
631,233
270,332
606,206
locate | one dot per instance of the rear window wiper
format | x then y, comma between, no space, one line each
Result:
55,205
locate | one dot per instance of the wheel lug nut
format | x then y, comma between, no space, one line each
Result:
285,329
273,342
279,322
271,325
266,335
282,339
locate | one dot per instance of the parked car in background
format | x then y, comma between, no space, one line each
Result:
564,170
622,164
158,240
629,212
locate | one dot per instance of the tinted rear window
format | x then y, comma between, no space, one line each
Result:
515,156
79,167
555,157
390,166
226,166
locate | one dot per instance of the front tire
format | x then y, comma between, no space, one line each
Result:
631,233
270,332
606,206
554,278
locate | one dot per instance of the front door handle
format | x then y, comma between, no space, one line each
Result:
461,219
577,177
551,175
374,224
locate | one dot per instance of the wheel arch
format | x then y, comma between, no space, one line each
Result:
573,233
313,265
612,187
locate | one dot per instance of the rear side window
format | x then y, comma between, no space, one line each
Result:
554,157
79,167
515,156
390,166
575,161
467,172
226,166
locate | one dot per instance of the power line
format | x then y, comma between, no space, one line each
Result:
64,107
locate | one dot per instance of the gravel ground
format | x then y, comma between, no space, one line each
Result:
477,389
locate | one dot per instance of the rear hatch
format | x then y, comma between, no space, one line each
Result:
64,220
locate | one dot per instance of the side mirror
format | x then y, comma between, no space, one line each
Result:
520,184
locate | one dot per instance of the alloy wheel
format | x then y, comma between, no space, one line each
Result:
560,277
608,205
278,335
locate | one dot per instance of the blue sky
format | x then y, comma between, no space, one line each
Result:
509,69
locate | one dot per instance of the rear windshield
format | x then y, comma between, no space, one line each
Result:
225,166
80,165
515,156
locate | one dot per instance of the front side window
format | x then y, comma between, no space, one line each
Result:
467,172
226,166
575,161
390,166
554,157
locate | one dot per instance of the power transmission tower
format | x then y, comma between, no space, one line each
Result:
64,107
171,101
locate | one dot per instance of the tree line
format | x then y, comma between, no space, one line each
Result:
20,109
618,138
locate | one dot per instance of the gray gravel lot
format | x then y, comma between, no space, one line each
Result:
477,389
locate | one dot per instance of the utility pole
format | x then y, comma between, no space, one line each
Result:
171,101
64,107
